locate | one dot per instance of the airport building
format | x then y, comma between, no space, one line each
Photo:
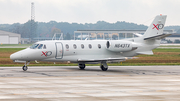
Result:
110,34
13,38
173,37
9,38
104,35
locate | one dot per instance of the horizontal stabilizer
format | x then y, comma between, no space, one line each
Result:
146,53
157,37
106,59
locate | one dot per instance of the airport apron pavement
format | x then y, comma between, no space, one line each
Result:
54,83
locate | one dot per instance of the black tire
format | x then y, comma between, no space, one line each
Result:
82,66
103,69
25,68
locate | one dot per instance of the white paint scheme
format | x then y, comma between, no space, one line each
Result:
110,51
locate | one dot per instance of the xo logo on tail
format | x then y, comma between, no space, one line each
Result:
158,26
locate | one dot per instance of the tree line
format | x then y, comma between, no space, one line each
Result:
47,29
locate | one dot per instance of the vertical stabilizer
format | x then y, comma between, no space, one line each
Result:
156,28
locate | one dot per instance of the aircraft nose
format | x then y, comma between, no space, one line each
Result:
13,56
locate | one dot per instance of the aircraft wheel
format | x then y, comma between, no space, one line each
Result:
82,66
25,68
103,68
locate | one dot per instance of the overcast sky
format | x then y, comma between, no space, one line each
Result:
90,11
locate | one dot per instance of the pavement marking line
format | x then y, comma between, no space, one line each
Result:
20,94
162,91
50,93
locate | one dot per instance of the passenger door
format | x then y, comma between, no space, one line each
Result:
59,50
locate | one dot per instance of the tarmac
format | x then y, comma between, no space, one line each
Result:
69,83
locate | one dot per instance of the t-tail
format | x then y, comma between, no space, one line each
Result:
153,35
155,30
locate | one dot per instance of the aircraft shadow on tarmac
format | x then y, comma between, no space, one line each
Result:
75,69
123,71
128,71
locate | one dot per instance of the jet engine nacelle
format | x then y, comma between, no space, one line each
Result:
119,46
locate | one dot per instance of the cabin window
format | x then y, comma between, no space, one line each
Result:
34,46
90,46
82,46
99,46
74,46
67,46
44,47
40,46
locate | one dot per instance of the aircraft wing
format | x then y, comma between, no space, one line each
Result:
106,59
146,53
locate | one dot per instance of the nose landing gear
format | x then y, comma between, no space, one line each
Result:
25,68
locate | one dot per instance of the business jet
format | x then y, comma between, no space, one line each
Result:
94,51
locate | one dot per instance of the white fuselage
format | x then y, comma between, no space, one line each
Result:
72,50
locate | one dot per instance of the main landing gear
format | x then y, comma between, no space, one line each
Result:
25,68
82,66
104,66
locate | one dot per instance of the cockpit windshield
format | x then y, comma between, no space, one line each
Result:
38,46
34,46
